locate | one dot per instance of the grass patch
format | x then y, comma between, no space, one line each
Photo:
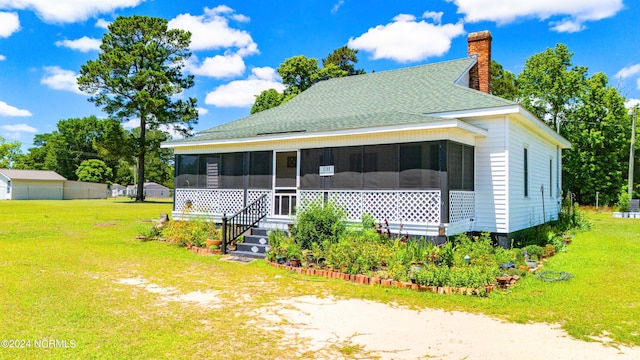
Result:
63,261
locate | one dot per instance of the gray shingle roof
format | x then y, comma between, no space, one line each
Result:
31,174
395,97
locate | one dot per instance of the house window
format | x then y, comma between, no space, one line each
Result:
550,177
526,172
8,186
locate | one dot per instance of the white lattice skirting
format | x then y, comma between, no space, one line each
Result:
462,206
217,201
394,206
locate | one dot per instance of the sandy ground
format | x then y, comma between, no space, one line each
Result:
328,328
324,325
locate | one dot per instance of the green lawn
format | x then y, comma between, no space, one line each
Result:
62,263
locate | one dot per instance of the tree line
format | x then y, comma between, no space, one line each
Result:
138,74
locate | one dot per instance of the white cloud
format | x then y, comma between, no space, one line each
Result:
84,44
9,23
242,93
8,110
131,124
18,128
406,40
567,26
219,66
632,103
102,23
628,71
66,11
202,111
574,13
432,15
3,58
337,6
60,79
212,31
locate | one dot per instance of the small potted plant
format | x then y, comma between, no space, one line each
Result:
294,254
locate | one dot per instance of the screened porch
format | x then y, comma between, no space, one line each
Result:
424,187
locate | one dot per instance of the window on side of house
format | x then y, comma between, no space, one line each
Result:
550,177
526,172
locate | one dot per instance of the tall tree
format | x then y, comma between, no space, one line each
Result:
298,73
136,76
74,141
159,161
345,59
266,100
503,82
599,130
9,152
549,85
95,171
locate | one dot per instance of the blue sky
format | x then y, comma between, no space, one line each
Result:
237,45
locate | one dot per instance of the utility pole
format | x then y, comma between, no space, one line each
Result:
632,151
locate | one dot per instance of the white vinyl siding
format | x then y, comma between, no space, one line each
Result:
491,176
526,211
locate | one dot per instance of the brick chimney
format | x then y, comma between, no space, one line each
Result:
480,46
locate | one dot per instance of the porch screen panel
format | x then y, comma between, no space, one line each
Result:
209,177
187,171
461,171
419,166
347,164
468,168
260,170
455,166
232,174
310,162
380,167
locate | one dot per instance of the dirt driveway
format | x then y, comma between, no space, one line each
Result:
328,328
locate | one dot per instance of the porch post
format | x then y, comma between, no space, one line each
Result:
224,234
444,182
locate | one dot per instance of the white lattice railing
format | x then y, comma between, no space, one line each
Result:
217,201
406,206
462,206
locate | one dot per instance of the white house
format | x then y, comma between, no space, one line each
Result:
151,189
426,148
31,185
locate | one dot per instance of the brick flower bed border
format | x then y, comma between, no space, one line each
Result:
502,282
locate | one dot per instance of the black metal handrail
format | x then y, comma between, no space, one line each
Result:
243,220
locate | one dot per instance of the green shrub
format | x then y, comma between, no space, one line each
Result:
534,251
194,232
148,231
623,200
317,223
